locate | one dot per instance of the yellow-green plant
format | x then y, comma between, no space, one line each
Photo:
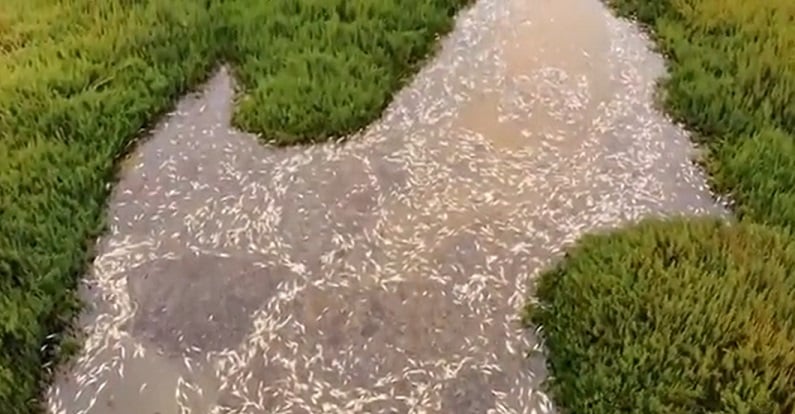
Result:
80,78
693,316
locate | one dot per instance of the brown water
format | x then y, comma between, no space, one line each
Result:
385,274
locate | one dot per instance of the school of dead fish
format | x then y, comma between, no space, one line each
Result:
385,273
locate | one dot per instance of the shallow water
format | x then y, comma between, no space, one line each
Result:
385,274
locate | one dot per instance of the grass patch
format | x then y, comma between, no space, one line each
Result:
733,82
695,316
80,78
673,317
319,68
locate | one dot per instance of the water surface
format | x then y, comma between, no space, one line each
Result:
385,274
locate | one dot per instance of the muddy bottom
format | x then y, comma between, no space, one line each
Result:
384,275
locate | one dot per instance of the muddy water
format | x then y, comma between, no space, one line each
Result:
385,274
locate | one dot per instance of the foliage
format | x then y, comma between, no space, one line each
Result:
695,316
733,82
673,317
79,79
319,68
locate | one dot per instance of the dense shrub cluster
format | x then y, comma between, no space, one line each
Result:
674,317
80,78
733,81
694,316
318,68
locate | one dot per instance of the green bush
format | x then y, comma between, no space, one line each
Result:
80,78
733,82
319,68
673,317
695,316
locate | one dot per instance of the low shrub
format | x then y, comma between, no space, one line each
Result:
79,79
732,81
314,69
673,317
695,316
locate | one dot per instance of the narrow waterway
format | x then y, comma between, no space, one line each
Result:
385,274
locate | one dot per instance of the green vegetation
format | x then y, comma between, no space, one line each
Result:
681,317
695,316
80,78
319,68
